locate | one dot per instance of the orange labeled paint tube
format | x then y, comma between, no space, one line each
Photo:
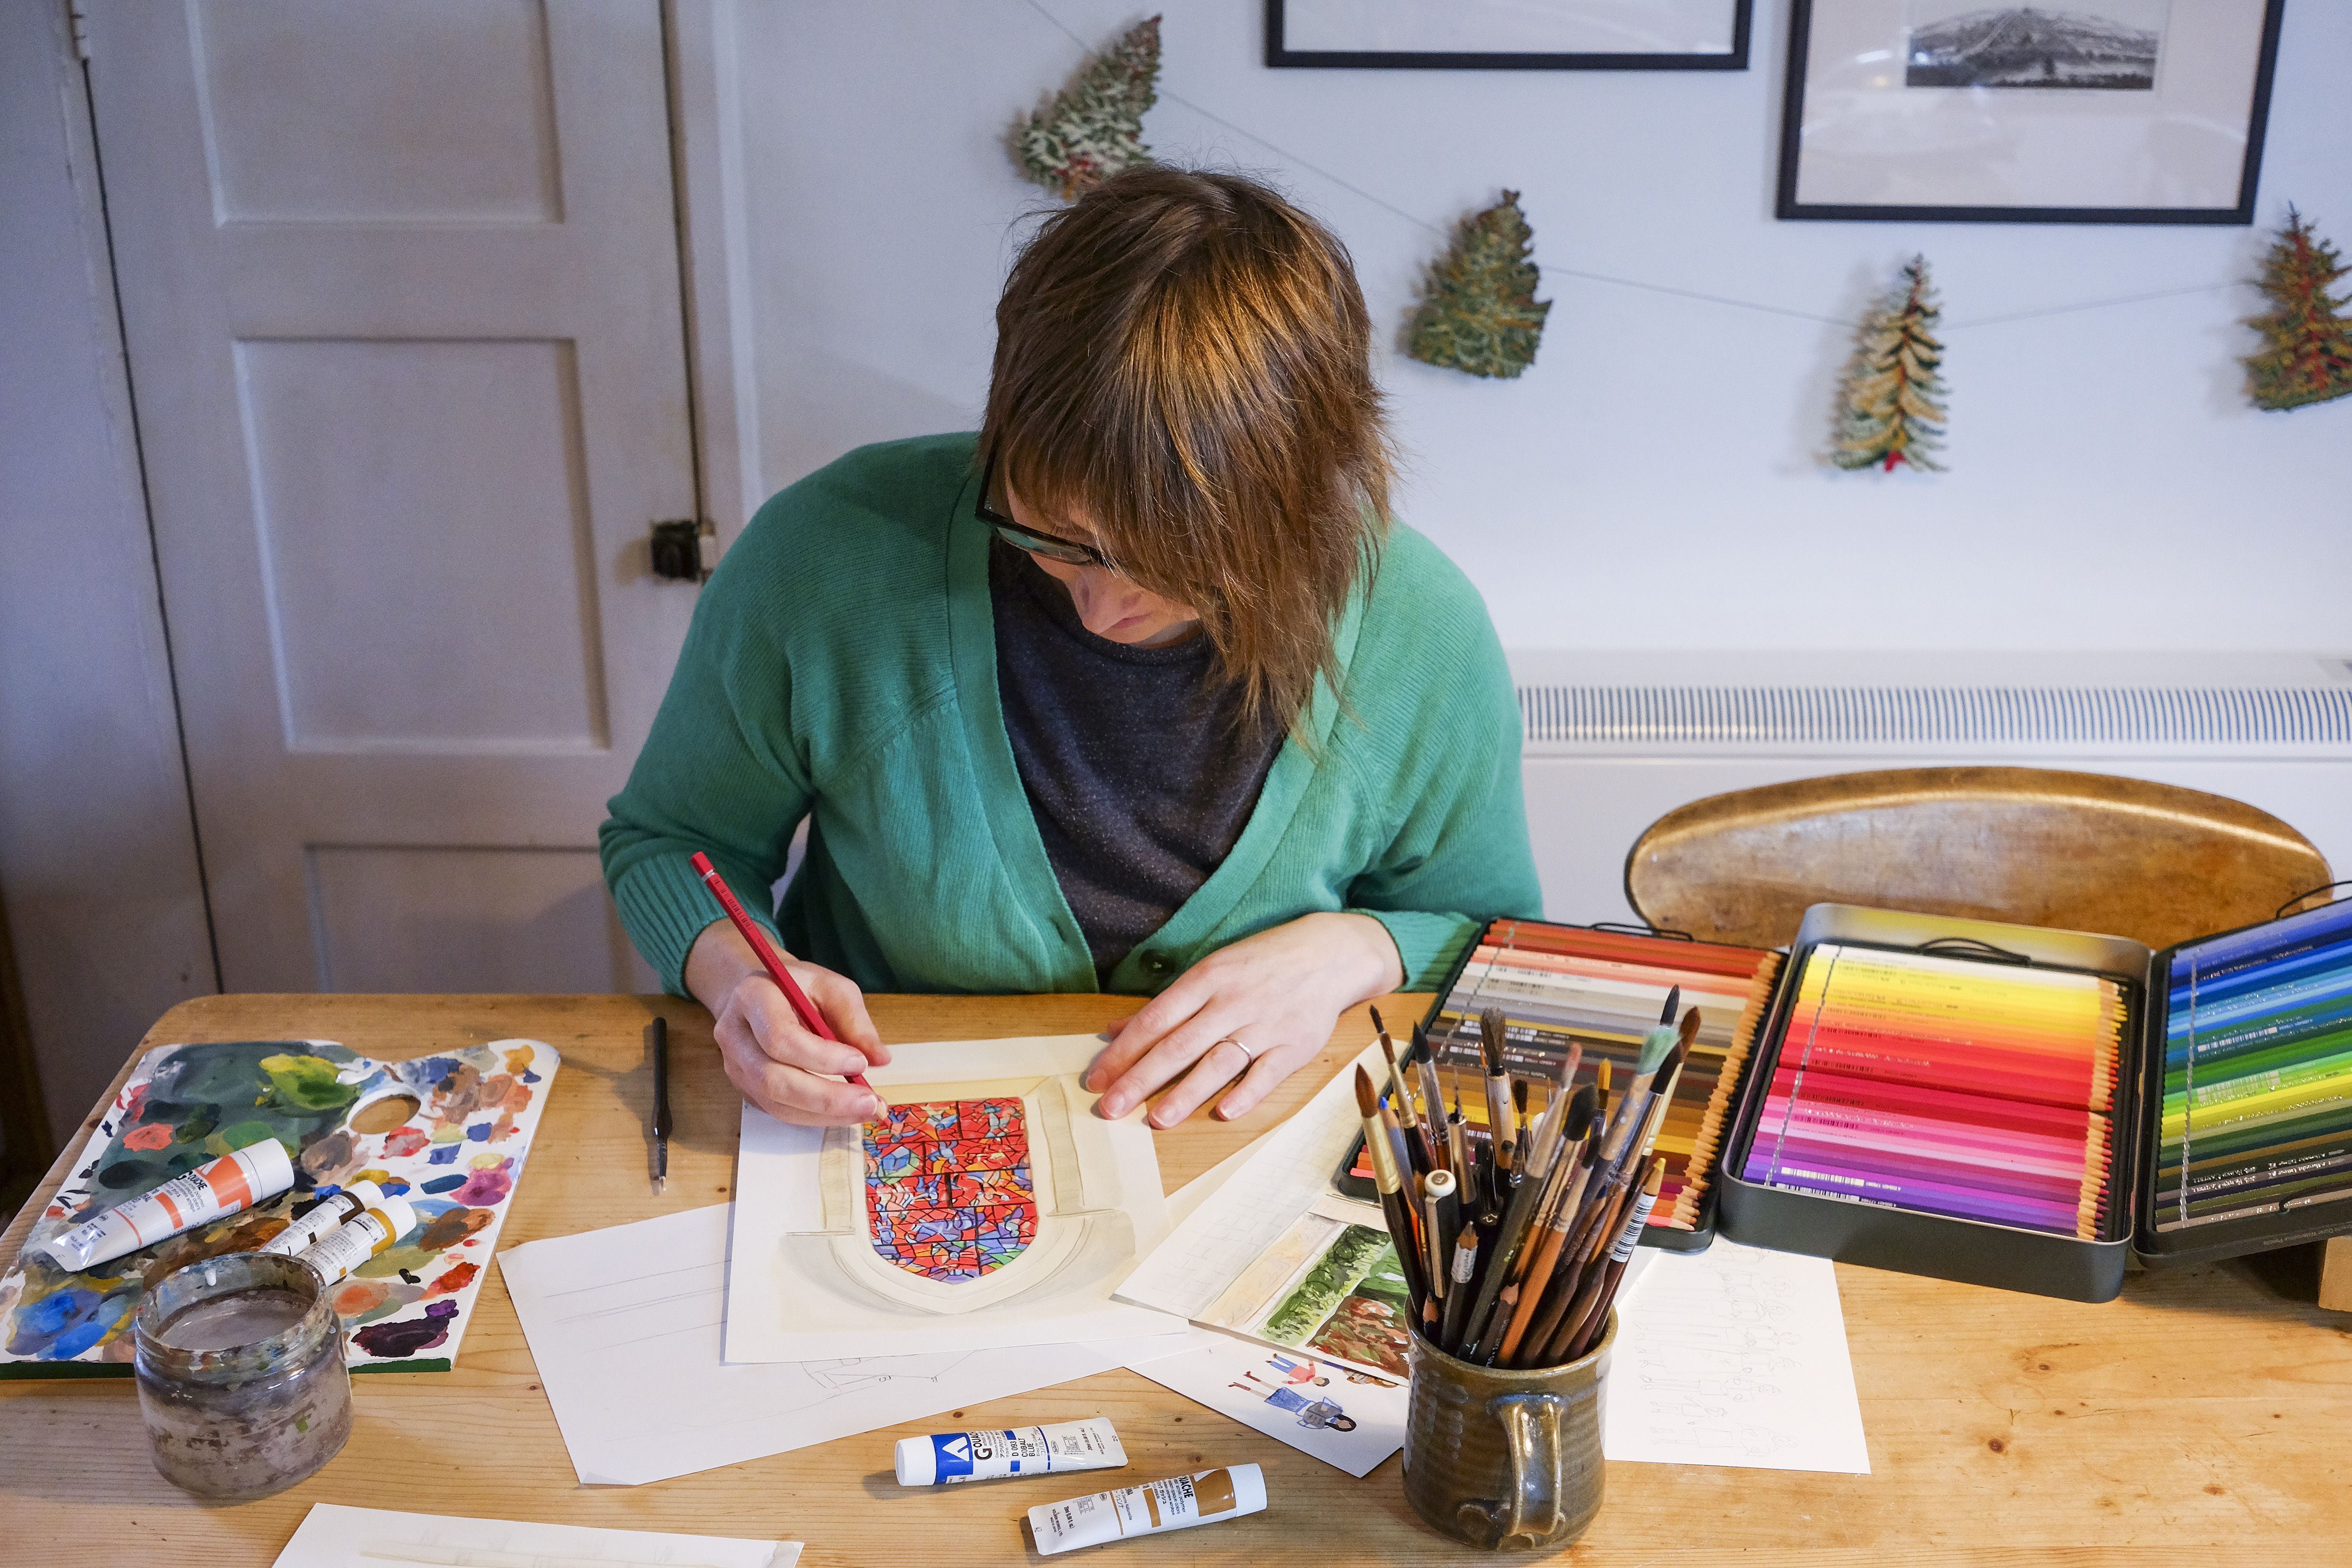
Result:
229,1183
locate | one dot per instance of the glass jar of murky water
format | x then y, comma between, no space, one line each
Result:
241,1375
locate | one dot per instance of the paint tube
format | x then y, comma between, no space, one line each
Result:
355,1241
1179,1502
945,1457
324,1216
227,1185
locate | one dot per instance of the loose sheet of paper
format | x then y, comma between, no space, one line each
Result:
1733,1356
623,1325
1287,1171
333,1536
1343,1415
799,1291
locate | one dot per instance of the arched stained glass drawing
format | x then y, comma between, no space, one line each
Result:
948,1192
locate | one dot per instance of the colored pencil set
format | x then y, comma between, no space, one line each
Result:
1513,1250
1576,998
2257,1107
1947,1086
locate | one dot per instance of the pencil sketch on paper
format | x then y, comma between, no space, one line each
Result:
969,1195
1735,1356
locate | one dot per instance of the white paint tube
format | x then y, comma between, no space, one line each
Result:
945,1457
324,1216
355,1241
1179,1502
227,1185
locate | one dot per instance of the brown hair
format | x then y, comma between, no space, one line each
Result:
1183,360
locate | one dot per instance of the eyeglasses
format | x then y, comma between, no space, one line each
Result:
1068,551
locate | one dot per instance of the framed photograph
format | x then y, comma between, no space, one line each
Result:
1509,34
2056,112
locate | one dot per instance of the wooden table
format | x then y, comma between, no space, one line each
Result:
2200,1415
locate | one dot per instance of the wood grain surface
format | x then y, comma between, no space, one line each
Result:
2200,1415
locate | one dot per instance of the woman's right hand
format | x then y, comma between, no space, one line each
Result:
793,1075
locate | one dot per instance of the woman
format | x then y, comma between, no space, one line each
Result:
1137,691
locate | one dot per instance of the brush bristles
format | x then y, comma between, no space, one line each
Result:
1383,1028
1689,1030
1490,1040
1367,1102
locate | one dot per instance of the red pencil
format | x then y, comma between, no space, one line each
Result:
802,1008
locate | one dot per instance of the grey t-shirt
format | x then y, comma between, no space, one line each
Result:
1140,783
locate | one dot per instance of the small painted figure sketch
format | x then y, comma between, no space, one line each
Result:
947,1189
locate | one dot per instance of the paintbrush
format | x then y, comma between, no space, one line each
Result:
1484,1328
1562,1186
1393,1202
1432,1099
1422,1151
1597,1296
1501,1129
1441,1218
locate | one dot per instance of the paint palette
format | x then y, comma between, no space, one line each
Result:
447,1131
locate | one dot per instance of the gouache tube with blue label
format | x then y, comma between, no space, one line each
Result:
1179,1502
945,1457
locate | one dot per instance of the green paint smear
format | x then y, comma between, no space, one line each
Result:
306,1084
1343,1266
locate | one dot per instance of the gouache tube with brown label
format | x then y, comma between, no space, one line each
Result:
1179,1502
348,1246
229,1183
324,1216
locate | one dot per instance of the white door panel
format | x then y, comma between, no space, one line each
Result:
400,285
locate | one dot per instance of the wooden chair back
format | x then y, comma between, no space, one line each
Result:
2079,852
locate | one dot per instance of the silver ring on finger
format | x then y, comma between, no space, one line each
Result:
1230,1040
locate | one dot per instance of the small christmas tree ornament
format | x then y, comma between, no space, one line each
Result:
1890,407
2306,354
1480,313
1094,127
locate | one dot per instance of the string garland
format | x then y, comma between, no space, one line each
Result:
1553,270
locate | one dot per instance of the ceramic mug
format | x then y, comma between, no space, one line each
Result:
1505,1460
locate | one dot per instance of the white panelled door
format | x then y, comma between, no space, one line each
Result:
400,284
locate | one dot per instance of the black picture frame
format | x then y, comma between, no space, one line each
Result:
1787,205
1279,53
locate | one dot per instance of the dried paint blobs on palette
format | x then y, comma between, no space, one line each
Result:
449,1132
949,1194
1947,1086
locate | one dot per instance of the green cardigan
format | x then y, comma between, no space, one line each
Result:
842,664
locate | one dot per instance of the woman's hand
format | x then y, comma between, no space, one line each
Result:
793,1075
1280,991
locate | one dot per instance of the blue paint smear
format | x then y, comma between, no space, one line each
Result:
55,1310
110,1313
480,1132
392,1186
443,1154
444,1184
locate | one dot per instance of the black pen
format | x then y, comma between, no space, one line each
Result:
658,1033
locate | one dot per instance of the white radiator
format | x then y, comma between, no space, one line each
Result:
1616,740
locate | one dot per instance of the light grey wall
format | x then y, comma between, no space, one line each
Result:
1650,482
96,858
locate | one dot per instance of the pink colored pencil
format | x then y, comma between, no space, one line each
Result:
802,1008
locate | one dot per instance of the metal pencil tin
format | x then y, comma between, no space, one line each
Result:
1976,1252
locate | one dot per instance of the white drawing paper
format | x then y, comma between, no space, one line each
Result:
1287,1171
623,1325
809,1281
1341,1415
1733,1356
333,1536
